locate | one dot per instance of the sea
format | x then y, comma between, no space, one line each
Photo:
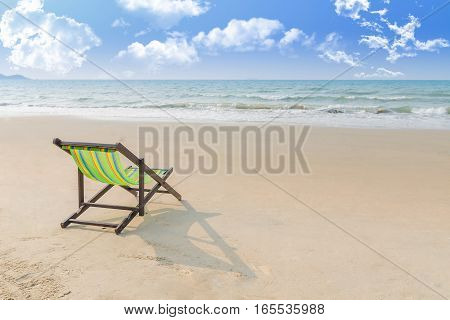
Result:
370,104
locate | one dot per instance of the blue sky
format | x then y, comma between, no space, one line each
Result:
226,39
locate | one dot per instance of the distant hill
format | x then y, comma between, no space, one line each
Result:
13,77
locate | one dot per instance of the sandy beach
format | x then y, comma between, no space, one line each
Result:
370,222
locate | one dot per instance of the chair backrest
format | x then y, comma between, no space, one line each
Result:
102,164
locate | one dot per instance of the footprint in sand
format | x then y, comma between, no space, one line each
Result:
22,280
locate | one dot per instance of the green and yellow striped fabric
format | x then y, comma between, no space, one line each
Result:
104,165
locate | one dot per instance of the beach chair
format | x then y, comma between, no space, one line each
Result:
101,162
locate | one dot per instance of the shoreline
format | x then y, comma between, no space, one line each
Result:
136,119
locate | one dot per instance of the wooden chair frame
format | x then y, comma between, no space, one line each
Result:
144,195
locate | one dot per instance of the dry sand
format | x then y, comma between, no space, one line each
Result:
376,224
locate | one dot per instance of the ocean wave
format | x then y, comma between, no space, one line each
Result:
317,107
248,96
404,109
251,97
252,107
368,98
346,98
411,110
358,92
394,98
436,111
431,111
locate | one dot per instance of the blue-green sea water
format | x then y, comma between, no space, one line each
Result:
391,104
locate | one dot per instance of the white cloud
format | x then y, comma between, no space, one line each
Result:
431,45
331,41
407,40
120,23
380,42
142,32
167,12
394,55
241,35
374,42
372,25
381,12
296,35
339,57
351,8
291,36
329,52
380,73
176,50
25,6
237,35
31,47
405,44
406,32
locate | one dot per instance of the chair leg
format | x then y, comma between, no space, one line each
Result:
168,187
84,207
141,187
142,202
126,221
80,188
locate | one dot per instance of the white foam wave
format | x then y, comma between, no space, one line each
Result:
430,111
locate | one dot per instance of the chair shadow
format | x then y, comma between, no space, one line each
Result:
166,230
